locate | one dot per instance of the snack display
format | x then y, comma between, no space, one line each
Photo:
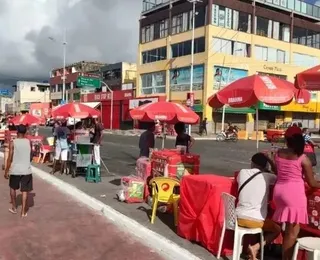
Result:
143,168
314,210
132,189
171,163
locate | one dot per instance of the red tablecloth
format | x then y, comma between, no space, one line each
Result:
201,210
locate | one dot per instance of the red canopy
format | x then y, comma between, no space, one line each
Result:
308,79
25,119
248,91
75,110
165,111
302,96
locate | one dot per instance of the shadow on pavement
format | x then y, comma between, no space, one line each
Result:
30,200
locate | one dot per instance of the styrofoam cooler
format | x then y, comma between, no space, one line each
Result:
171,163
133,188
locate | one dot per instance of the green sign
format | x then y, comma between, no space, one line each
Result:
88,82
264,106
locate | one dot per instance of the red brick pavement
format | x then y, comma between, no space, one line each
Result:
57,227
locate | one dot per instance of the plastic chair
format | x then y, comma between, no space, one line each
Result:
230,222
310,244
93,173
46,149
162,191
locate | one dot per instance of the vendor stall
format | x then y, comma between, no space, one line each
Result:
81,149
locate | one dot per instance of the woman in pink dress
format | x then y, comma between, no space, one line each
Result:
289,193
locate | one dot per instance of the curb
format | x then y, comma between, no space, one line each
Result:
158,243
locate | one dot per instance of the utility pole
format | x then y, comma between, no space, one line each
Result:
194,2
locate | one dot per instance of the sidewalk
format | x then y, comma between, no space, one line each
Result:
57,227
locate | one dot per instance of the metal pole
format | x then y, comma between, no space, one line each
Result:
64,65
192,52
224,107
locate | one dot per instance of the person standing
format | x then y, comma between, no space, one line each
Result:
61,147
18,169
289,196
97,133
182,138
146,141
203,126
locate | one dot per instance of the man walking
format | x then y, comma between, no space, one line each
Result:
96,140
18,169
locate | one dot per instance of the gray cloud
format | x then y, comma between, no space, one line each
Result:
100,30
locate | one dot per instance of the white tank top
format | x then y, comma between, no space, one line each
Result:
21,164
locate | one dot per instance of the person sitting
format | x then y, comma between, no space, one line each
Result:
182,138
253,194
146,141
230,130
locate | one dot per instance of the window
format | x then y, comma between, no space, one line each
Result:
153,83
154,55
147,33
281,56
184,48
231,19
164,28
177,24
33,89
261,53
228,47
306,37
263,27
303,60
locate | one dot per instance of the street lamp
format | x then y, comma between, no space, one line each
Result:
194,2
64,44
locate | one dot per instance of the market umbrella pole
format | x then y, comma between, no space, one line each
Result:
163,134
257,127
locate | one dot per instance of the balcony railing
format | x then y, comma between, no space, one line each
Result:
297,6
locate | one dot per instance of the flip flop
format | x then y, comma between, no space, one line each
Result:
24,215
13,211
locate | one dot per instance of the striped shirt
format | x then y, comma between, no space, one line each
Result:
307,138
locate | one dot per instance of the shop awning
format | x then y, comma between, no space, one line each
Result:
91,104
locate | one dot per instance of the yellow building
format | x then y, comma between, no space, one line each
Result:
233,39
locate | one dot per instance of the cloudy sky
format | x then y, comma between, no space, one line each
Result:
101,30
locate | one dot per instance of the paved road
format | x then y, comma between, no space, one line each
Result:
57,227
120,153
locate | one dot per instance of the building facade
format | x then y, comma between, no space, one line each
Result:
28,92
120,76
73,72
4,102
233,39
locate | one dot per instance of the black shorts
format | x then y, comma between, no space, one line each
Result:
22,182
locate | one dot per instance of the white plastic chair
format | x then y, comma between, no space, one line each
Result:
230,223
310,244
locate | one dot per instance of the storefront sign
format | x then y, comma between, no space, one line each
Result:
224,76
197,105
294,107
56,95
273,69
264,106
97,97
134,103
180,78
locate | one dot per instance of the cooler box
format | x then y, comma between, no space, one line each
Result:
170,163
133,189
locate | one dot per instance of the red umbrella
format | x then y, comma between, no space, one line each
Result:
75,110
302,96
26,119
308,79
248,91
165,111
